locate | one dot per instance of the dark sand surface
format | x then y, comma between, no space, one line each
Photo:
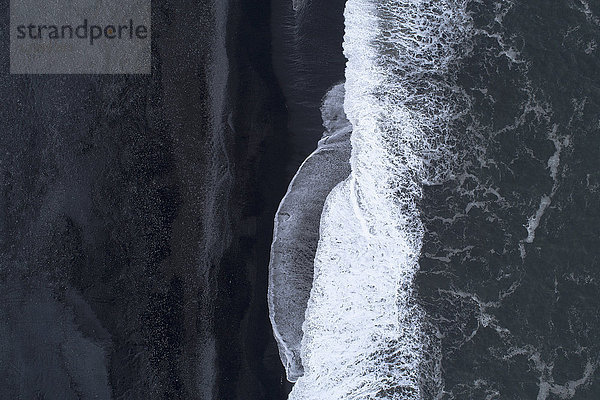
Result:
249,367
110,285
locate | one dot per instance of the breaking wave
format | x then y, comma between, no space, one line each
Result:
364,336
296,230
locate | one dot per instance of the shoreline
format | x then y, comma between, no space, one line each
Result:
248,366
309,62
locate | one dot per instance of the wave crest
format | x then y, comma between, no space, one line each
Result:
363,335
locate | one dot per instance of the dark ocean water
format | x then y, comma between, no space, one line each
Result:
508,272
510,268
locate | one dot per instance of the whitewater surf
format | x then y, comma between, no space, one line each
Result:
363,335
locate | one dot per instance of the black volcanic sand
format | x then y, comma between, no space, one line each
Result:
308,61
103,262
277,126
249,366
107,287
101,255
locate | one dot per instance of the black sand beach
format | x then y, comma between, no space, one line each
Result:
117,247
110,220
277,123
248,363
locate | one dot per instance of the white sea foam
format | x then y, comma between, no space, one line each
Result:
534,220
364,338
553,163
296,230
298,5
